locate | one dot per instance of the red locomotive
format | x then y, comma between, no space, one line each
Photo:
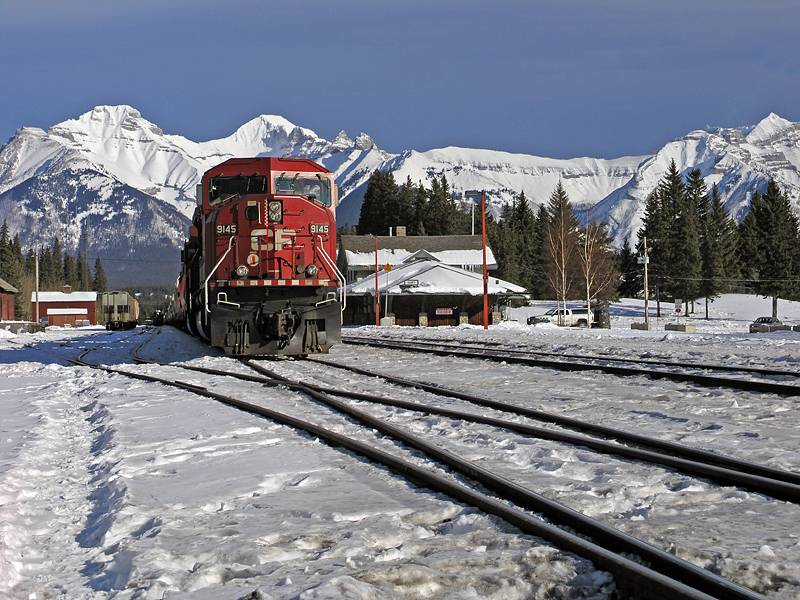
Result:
258,274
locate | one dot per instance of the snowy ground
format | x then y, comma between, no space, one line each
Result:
730,313
111,487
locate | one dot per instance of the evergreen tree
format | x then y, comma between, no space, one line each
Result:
686,260
538,273
46,270
84,275
697,194
420,211
523,228
437,221
777,229
55,275
504,247
656,228
5,250
11,264
99,283
749,247
719,248
70,272
630,285
405,205
380,197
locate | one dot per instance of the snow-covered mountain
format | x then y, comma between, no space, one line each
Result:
119,175
739,160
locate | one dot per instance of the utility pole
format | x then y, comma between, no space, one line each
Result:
646,287
485,271
37,284
588,266
377,295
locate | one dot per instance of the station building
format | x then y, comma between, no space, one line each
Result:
7,294
426,292
66,307
356,255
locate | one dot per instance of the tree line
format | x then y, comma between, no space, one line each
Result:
423,211
57,268
696,250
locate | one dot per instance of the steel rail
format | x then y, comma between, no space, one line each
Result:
472,345
665,578
671,448
716,381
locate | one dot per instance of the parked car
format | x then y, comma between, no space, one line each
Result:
768,324
567,317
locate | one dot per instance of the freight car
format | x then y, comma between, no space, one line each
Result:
258,272
120,310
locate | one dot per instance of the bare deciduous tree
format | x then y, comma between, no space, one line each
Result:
561,240
597,263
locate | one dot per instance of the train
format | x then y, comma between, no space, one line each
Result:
119,310
258,271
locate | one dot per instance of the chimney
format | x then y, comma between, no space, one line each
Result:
400,231
67,289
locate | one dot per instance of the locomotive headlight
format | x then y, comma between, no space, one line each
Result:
311,270
275,211
242,271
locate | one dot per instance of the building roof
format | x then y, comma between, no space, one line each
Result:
66,311
450,249
64,297
7,287
430,277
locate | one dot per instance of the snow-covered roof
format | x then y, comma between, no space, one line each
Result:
430,277
64,297
66,311
7,287
395,256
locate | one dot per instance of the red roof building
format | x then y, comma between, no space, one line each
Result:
7,294
66,308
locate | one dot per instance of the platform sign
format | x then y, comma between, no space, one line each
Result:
444,312
678,305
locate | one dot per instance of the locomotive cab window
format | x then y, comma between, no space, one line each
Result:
314,187
223,187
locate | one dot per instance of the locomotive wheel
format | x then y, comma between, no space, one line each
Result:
191,326
199,325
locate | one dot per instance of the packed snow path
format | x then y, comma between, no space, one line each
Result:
113,488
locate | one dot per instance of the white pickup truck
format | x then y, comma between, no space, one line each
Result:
566,317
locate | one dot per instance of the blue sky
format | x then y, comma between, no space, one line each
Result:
559,78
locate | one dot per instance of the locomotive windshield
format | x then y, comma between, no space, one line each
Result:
223,188
314,187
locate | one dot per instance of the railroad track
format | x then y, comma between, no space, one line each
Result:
665,576
706,380
770,372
